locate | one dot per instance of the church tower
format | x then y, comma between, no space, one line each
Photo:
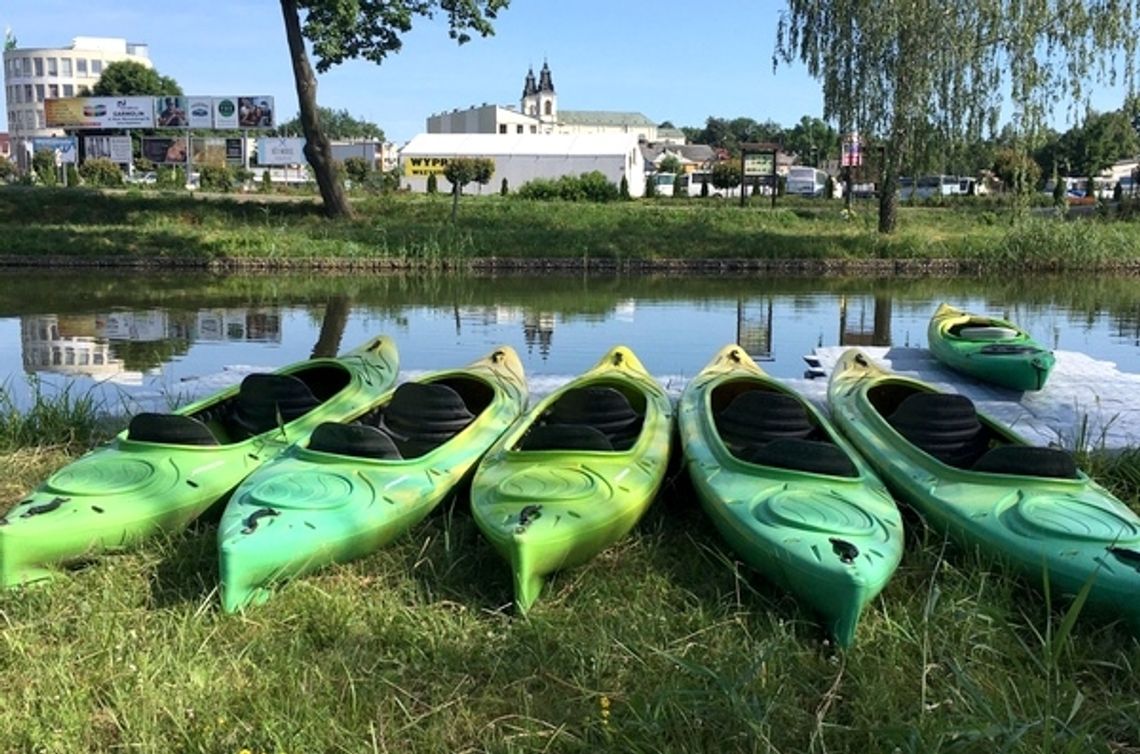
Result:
547,99
528,105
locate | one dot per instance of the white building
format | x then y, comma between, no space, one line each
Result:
32,75
523,157
538,113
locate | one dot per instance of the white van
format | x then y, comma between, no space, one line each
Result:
805,181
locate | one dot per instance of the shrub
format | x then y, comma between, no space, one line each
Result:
170,177
504,188
593,187
678,185
650,187
705,186
357,169
7,169
623,189
266,183
432,184
43,165
100,171
216,178
72,175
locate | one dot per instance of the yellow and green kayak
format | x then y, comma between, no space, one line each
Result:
357,484
790,496
165,470
988,348
576,473
987,488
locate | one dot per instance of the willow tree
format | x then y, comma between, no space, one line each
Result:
341,30
913,71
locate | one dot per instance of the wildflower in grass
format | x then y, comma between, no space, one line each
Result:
604,710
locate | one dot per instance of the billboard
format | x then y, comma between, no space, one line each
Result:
255,112
280,151
99,112
425,165
165,150
200,112
113,148
852,151
170,112
65,147
225,112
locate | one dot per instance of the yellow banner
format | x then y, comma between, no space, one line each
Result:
421,166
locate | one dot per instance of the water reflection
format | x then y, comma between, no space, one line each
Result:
159,330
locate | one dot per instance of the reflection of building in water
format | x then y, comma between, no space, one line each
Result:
538,328
754,328
69,345
255,325
854,329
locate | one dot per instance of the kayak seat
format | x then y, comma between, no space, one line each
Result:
357,440
984,332
422,416
755,417
173,429
801,455
565,437
945,425
604,408
264,399
1027,460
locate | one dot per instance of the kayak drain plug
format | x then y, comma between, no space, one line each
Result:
260,513
528,515
846,551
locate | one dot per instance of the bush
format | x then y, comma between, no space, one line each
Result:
588,187
72,175
650,187
43,165
216,178
504,188
357,169
266,183
7,169
100,171
170,177
623,189
679,185
432,184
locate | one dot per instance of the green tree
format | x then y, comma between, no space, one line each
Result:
623,188
1017,170
1101,140
670,163
336,124
504,188
432,183
100,171
43,165
10,42
679,185
812,139
912,71
129,77
357,169
460,171
650,186
369,29
726,175
7,169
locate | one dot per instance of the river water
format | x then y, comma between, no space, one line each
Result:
153,341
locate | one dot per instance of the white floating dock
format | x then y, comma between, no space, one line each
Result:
1085,399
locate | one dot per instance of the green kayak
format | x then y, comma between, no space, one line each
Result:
358,484
791,497
989,348
164,470
576,473
987,488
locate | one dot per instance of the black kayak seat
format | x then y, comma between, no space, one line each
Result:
602,407
944,425
1027,460
357,440
264,399
802,455
565,437
422,416
173,429
755,417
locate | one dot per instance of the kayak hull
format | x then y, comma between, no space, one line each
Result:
831,540
548,509
129,489
311,508
988,348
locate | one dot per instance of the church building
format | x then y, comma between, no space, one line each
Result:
538,113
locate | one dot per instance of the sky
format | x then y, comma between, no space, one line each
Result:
667,60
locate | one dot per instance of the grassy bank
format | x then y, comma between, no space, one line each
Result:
78,226
662,644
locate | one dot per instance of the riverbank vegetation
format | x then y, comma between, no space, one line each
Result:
663,643
77,226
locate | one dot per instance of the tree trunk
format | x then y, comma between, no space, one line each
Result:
888,199
317,150
332,326
455,189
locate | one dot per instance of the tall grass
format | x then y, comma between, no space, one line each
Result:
65,418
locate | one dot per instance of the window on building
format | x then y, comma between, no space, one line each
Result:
53,90
27,67
549,108
39,66
39,92
65,67
81,66
29,93
502,128
96,67
40,123
534,129
519,128
68,90
53,66
15,95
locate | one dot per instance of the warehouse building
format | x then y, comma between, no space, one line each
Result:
520,158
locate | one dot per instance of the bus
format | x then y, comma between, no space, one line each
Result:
691,185
805,181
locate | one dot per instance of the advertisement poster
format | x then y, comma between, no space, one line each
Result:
99,112
255,112
64,146
200,112
113,148
165,151
170,112
234,152
225,112
280,151
208,151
